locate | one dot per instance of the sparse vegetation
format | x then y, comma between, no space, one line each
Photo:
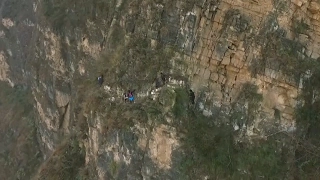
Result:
65,162
20,154
249,94
211,150
71,13
308,117
181,103
281,6
234,18
282,55
300,27
114,167
245,109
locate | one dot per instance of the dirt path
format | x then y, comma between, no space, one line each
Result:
117,94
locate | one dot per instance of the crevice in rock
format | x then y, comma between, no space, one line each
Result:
64,111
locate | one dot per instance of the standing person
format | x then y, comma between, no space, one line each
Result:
100,80
163,78
131,96
191,96
125,97
158,83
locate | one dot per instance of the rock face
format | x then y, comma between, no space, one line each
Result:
214,47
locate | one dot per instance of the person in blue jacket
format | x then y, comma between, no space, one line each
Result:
131,96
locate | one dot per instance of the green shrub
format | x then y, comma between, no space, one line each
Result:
209,148
264,159
248,94
114,167
283,55
167,97
307,118
300,27
181,103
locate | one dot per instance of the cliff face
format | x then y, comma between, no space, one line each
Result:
246,61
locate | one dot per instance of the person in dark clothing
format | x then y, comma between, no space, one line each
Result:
100,80
191,96
125,97
163,78
158,83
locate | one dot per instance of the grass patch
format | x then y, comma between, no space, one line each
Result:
117,35
114,167
180,107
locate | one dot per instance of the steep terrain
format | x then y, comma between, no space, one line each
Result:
253,65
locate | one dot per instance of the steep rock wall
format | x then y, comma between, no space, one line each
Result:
217,46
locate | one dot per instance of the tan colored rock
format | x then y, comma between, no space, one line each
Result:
232,69
4,67
204,62
292,93
226,60
314,7
214,76
81,68
238,59
162,144
202,22
297,2
213,63
221,79
7,22
62,99
206,74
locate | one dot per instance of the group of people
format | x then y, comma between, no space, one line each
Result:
129,96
